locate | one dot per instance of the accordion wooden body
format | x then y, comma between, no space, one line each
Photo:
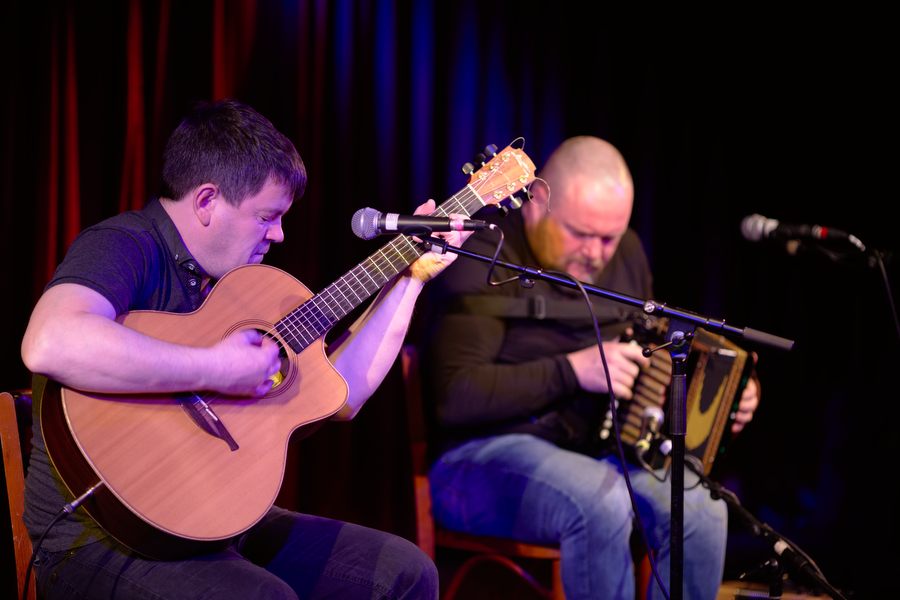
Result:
717,372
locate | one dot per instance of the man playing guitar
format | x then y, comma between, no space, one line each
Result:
231,178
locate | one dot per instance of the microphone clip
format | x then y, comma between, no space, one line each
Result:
430,242
676,342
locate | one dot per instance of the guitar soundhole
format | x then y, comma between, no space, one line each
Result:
287,371
279,377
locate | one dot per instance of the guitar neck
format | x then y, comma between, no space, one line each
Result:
313,318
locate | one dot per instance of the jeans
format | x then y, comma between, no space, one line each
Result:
522,487
286,555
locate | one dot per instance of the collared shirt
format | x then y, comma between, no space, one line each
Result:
136,260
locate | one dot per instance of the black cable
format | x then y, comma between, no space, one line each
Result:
639,456
56,519
65,511
873,258
877,255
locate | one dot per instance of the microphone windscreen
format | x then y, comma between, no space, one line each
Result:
365,223
755,227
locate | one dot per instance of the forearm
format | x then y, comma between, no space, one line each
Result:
365,355
495,392
473,384
91,352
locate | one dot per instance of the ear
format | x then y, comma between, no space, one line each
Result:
534,209
205,199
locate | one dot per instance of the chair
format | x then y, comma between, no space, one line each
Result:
14,476
503,552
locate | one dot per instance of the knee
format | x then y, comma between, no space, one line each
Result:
423,578
613,509
425,585
610,517
717,517
415,574
711,511
270,588
707,520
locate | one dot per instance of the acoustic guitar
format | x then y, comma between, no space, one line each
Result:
185,473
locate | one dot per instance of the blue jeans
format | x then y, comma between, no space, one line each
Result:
522,487
286,555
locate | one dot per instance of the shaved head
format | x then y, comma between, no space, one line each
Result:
576,224
586,157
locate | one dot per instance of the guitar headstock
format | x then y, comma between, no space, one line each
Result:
501,175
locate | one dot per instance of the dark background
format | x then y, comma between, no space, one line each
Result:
789,116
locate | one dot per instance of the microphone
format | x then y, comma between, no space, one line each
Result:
802,567
368,223
757,227
651,421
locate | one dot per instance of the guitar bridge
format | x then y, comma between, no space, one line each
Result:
206,419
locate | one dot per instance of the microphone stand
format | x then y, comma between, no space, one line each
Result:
789,559
678,334
681,327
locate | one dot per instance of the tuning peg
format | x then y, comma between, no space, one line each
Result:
480,159
468,168
490,150
513,202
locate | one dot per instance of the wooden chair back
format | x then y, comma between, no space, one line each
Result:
14,476
430,537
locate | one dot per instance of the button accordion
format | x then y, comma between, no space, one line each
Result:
717,372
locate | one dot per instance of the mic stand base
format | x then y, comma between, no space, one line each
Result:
788,559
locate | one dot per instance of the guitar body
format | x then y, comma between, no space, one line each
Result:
173,477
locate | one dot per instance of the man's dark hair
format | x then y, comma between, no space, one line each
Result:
233,146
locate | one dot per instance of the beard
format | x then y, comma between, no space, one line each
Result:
588,272
549,246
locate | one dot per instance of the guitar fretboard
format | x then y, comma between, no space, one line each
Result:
309,321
